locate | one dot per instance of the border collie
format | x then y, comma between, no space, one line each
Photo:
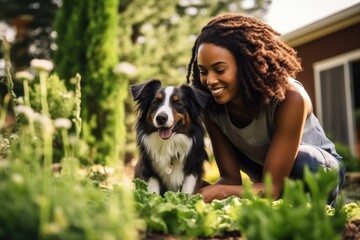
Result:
170,136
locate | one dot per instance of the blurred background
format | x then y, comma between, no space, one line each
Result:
113,44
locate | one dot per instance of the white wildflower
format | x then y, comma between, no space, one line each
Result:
67,95
4,163
24,75
52,228
72,139
125,68
42,64
27,111
45,121
17,178
62,123
20,100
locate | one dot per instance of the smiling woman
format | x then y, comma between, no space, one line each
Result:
259,118
214,61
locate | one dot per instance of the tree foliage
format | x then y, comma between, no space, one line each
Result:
157,36
87,44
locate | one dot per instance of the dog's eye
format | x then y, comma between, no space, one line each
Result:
156,102
178,103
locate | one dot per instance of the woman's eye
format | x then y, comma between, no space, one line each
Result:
220,71
202,72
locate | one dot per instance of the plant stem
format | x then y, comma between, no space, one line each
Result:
3,111
68,160
9,82
26,93
78,120
43,92
27,103
45,205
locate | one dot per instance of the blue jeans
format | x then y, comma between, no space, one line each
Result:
308,155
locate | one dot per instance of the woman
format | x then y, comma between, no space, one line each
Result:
260,120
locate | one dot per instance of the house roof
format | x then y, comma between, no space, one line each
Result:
323,27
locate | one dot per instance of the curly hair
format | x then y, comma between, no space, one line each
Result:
264,61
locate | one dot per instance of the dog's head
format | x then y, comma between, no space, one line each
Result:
169,109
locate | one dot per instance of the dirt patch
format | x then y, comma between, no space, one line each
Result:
352,230
235,235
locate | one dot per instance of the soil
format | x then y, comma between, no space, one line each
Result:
227,236
352,230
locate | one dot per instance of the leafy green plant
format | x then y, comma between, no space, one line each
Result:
77,209
178,213
61,101
351,162
298,215
43,203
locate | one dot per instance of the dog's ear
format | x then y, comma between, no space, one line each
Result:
141,90
200,96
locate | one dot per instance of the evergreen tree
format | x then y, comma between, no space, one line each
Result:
87,44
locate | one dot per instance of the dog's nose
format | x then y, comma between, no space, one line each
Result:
161,118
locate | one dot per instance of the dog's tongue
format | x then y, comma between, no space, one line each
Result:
165,133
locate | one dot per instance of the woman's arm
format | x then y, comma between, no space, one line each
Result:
230,181
290,118
224,154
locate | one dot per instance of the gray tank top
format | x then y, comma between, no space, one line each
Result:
254,139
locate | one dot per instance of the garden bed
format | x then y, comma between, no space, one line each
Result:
158,236
352,186
351,232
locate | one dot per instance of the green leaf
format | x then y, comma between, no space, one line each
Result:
140,184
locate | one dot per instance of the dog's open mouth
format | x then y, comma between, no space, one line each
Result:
165,133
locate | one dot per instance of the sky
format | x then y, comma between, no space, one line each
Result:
288,15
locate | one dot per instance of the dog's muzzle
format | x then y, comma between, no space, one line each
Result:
164,125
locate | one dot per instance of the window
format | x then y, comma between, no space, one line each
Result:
337,86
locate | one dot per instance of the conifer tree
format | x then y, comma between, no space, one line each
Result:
87,44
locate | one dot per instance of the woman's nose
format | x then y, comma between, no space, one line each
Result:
211,80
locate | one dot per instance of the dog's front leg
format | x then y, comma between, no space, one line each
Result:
189,184
153,185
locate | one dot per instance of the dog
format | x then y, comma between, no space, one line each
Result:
170,136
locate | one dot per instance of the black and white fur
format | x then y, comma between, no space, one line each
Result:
170,136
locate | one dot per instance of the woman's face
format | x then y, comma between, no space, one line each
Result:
218,72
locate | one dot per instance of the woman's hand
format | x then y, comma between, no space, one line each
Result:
218,191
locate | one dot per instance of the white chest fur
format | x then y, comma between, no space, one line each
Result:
168,157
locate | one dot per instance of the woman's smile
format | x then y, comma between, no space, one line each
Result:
217,91
218,72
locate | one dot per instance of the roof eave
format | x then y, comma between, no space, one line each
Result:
323,27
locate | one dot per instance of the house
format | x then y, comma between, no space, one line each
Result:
330,53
